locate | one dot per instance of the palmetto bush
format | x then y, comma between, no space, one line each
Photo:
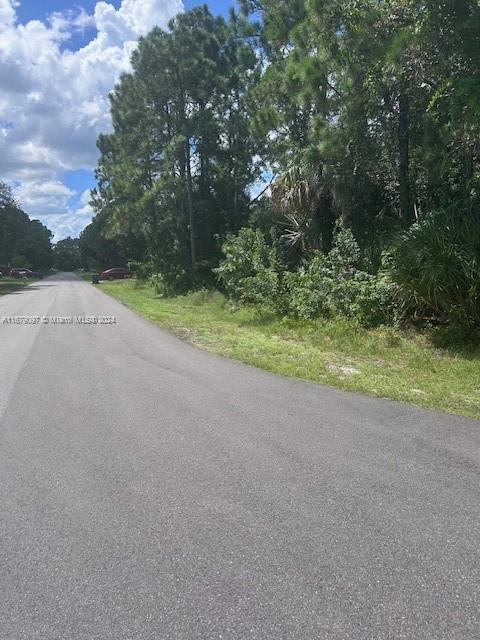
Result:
437,265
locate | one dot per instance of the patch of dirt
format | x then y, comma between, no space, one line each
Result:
343,370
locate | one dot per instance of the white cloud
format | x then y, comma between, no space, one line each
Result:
7,12
82,20
54,102
73,221
44,196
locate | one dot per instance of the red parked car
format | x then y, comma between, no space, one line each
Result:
21,272
118,273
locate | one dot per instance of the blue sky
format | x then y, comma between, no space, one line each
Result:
58,61
41,9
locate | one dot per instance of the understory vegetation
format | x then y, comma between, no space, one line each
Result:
314,160
328,285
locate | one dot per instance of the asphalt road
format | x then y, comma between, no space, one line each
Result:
149,490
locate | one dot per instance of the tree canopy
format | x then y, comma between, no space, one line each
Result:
23,242
362,113
177,168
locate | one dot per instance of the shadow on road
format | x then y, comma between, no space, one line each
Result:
32,287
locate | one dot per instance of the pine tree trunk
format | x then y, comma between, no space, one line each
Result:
191,217
469,166
406,209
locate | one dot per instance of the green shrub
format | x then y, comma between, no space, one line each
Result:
307,290
143,270
157,282
249,272
333,285
436,264
166,282
375,301
326,286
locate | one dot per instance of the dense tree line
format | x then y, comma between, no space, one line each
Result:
365,116
66,255
28,243
23,242
174,176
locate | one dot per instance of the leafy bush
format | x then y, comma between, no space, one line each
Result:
143,270
157,282
375,300
308,289
327,286
249,272
333,285
437,266
169,284
166,281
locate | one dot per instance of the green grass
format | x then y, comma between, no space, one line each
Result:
384,362
7,285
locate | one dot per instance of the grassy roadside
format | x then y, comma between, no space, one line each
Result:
7,285
381,362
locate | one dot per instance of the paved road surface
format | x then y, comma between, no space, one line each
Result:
149,490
